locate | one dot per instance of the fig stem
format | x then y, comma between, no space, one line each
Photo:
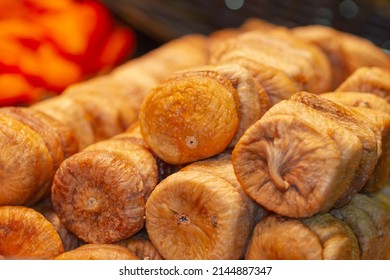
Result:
273,161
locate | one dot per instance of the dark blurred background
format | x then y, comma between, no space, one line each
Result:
157,21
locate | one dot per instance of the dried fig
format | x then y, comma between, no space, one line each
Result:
357,123
280,238
304,164
99,196
137,155
25,163
190,118
318,237
71,114
374,80
359,99
196,215
98,252
141,246
254,101
275,83
26,234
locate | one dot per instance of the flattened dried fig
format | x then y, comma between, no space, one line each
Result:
190,118
337,238
357,123
140,157
26,234
293,161
280,238
195,215
99,196
141,246
254,101
98,252
25,163
68,112
359,99
374,80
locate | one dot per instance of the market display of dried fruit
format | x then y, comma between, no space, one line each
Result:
260,142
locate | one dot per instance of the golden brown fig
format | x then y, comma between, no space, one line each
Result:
196,215
141,246
346,52
254,101
276,84
26,234
69,240
221,166
359,99
52,136
360,126
70,113
348,144
25,163
374,80
317,237
303,63
137,155
280,238
98,252
190,118
99,196
304,164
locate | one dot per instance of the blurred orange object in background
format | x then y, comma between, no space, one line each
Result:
47,45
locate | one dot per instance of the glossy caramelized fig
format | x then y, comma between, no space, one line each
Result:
319,237
25,161
190,118
26,234
299,158
373,80
196,215
99,196
98,252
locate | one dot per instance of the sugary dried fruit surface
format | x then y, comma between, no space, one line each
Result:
195,215
26,234
98,252
99,196
190,118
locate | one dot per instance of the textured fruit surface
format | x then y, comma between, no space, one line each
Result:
191,118
98,252
99,196
26,234
279,238
283,157
195,215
